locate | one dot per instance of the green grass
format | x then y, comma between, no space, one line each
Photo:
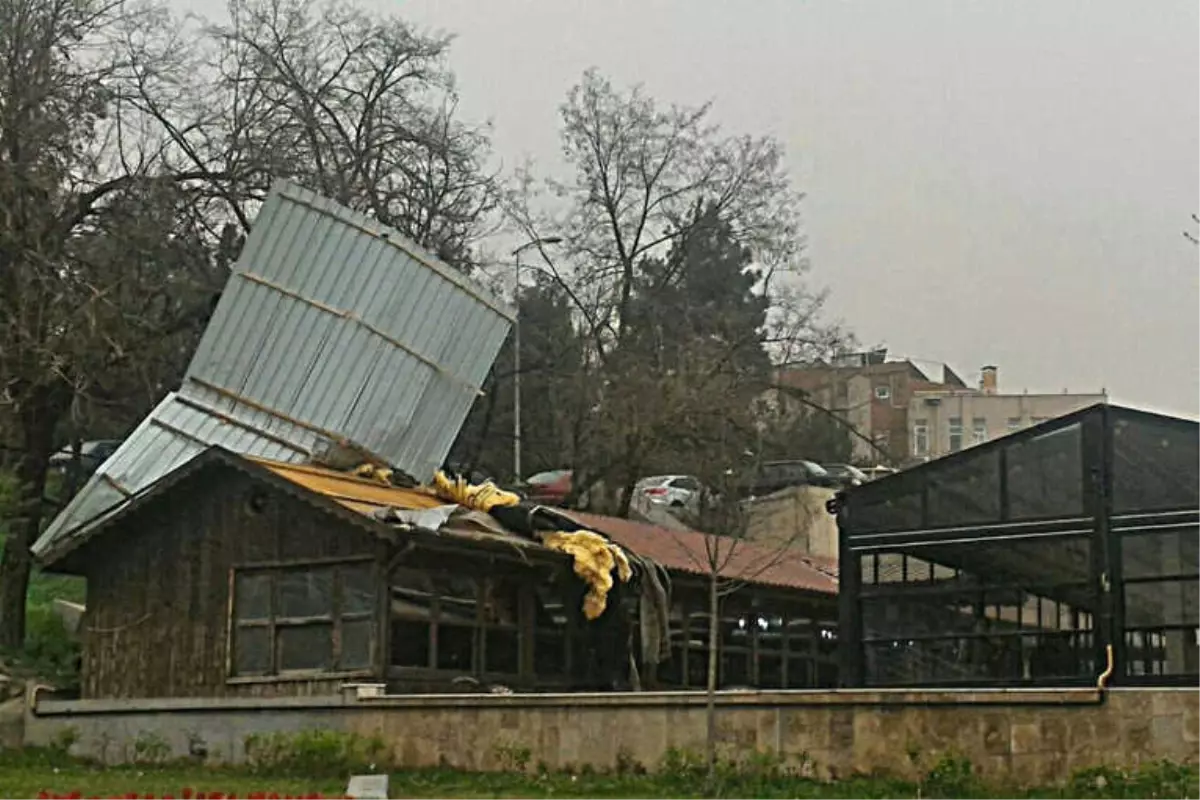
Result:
156,782
28,781
24,775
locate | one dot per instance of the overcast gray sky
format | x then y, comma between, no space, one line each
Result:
1000,182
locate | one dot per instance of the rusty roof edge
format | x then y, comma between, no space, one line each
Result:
256,468
819,583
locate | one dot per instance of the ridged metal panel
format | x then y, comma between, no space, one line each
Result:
331,326
348,327
176,431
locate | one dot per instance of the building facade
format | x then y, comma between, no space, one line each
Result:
873,395
944,421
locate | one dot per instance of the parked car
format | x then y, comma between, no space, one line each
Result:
673,491
846,474
771,476
91,456
873,473
549,488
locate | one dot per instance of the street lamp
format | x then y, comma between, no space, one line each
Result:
541,242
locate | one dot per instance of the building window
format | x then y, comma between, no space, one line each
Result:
956,434
305,618
979,430
883,392
1014,424
920,438
455,623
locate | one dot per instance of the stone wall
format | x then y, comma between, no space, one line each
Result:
796,517
1033,737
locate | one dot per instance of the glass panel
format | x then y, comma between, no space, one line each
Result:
305,647
1045,475
458,596
770,633
500,602
1171,553
455,648
410,643
502,653
967,492
866,564
960,659
899,512
1000,613
549,655
1163,603
356,644
1169,651
1040,561
1154,465
306,592
252,595
770,671
801,672
735,669
358,588
252,650
550,625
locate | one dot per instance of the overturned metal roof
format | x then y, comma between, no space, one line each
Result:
332,330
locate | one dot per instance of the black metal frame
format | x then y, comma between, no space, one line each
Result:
885,516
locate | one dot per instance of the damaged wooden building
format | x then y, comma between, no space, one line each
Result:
235,576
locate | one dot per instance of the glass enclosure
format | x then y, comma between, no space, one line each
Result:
1022,560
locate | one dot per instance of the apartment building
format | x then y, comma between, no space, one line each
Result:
944,420
873,395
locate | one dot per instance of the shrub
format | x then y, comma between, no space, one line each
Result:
315,753
50,651
952,775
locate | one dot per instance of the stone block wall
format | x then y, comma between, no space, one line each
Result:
1031,737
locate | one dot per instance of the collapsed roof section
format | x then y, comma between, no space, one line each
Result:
332,331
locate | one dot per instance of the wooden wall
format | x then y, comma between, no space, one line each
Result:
158,584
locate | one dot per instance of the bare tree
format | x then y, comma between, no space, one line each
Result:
655,193
730,559
83,207
359,108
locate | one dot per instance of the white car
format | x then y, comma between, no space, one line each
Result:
672,491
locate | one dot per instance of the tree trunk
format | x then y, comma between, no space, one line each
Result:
40,411
626,498
710,699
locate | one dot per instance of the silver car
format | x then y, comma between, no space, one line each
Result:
670,491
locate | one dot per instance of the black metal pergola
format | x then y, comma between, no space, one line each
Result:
1022,561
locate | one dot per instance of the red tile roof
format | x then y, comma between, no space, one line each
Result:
685,551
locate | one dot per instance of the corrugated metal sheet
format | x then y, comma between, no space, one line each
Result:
332,327
337,323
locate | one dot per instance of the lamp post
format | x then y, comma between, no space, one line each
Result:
541,242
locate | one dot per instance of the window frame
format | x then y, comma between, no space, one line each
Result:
920,442
954,432
435,625
883,392
336,620
979,430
